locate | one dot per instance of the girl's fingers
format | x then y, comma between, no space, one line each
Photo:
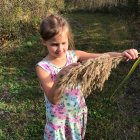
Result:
73,64
67,68
130,54
136,53
127,55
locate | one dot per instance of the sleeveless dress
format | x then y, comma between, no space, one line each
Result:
66,120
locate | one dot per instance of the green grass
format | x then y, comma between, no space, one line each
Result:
22,104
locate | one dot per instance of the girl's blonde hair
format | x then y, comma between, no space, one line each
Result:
53,25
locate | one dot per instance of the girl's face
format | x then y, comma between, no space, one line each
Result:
57,46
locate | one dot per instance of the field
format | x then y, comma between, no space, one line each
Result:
22,104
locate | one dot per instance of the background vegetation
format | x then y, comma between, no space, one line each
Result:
110,26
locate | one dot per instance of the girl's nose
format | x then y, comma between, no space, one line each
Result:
60,47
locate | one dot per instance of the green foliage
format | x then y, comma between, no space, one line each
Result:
22,104
19,18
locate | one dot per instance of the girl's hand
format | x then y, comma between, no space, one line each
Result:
65,70
130,54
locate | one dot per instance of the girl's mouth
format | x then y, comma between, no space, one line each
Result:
59,53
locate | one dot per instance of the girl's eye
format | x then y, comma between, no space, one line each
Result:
63,43
54,44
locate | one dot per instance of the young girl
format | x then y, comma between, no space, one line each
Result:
67,117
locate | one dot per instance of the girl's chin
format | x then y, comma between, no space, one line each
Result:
60,54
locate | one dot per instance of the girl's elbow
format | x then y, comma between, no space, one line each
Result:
53,96
52,100
55,101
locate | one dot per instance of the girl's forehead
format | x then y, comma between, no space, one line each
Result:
60,36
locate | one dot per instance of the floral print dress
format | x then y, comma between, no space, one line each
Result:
67,120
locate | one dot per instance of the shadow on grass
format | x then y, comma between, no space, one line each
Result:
22,102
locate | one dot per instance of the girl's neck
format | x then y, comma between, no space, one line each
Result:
51,58
59,61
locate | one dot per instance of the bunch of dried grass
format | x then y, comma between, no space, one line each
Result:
89,75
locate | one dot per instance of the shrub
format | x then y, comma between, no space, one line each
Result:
20,18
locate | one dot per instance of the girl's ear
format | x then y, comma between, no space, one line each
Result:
42,41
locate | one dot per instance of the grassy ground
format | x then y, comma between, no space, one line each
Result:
22,105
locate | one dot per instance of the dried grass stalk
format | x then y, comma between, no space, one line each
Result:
89,75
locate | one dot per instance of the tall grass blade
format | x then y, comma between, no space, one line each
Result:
127,76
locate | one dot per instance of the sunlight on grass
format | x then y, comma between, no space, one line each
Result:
22,101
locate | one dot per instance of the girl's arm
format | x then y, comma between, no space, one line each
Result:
49,87
128,54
